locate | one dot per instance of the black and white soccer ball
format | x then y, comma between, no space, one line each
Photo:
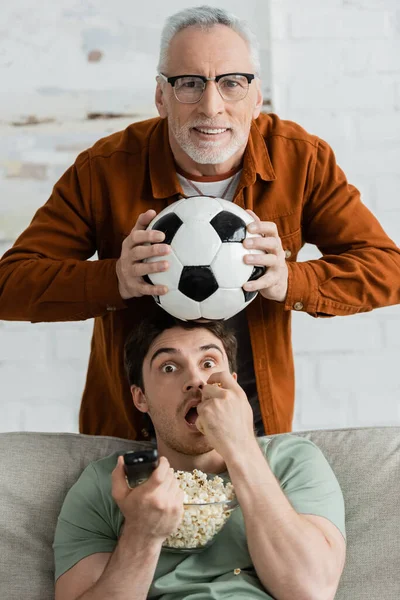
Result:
206,269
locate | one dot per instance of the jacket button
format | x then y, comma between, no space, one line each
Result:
298,306
111,308
288,253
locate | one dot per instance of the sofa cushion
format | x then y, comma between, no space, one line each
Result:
37,469
366,462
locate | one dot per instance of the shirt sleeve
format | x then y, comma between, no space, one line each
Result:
46,275
360,263
84,525
306,478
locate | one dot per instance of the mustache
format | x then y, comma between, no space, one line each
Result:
196,395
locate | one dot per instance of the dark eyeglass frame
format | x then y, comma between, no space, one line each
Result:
173,80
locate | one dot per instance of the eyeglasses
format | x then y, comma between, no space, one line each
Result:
189,89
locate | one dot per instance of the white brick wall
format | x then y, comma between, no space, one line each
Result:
335,70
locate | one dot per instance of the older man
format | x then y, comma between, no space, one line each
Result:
211,138
287,539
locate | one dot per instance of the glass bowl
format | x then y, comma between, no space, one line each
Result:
200,525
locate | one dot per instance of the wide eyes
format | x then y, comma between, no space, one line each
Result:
170,367
209,363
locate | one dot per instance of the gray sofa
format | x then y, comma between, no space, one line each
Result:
37,469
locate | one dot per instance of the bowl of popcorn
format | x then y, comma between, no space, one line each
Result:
208,503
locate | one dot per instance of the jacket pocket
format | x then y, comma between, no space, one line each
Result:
292,244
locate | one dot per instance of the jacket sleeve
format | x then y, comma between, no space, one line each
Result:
360,265
46,275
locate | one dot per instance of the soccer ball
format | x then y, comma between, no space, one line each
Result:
206,269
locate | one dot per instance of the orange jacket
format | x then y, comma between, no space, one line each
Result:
289,177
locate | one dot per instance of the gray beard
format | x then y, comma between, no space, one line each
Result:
209,155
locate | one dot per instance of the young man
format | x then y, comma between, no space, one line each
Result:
285,541
211,136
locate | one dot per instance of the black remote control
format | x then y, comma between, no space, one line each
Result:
139,465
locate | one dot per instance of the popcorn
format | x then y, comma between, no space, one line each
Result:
202,518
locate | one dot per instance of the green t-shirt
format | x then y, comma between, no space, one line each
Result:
90,522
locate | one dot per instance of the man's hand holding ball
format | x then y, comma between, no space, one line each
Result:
273,285
131,267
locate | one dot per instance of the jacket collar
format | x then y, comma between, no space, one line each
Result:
164,181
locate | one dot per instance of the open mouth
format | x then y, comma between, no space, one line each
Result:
191,415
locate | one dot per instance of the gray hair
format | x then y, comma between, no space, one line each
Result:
206,17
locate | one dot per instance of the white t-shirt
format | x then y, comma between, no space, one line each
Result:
211,188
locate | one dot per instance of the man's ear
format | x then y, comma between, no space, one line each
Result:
159,99
259,100
139,399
